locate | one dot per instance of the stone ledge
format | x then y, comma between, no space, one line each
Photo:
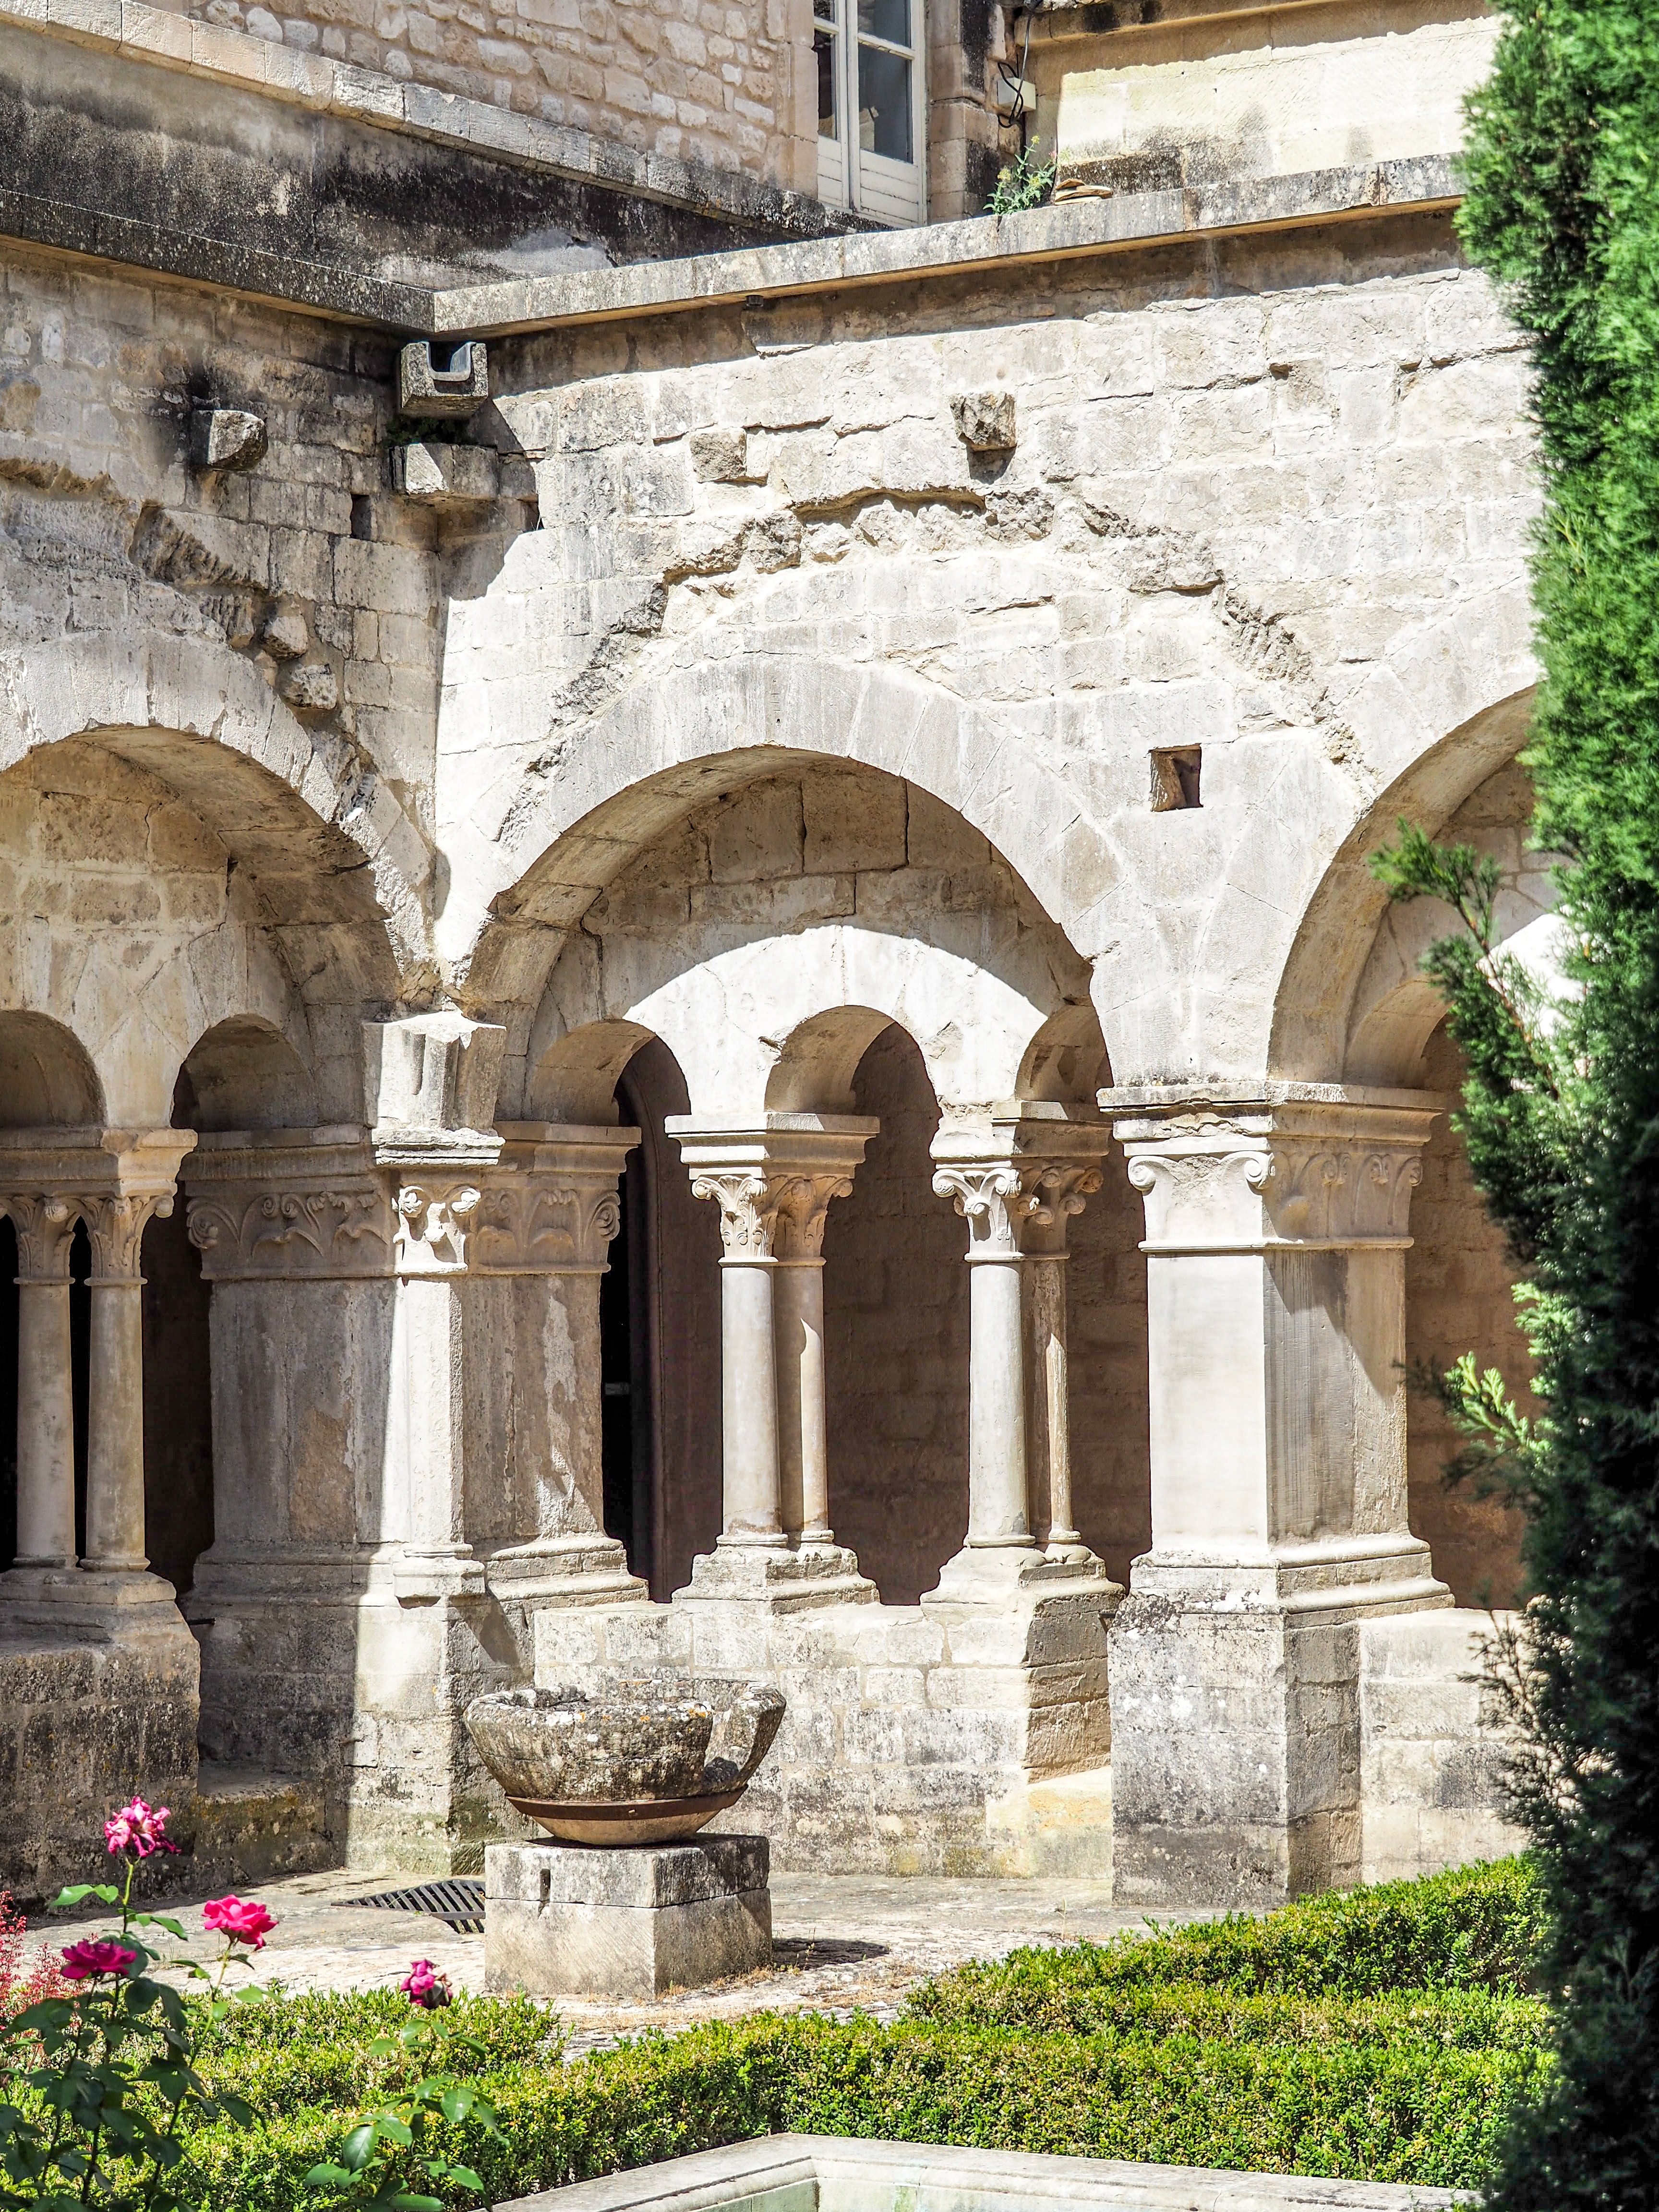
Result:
1069,232
363,95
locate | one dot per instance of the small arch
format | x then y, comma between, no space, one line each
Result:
1066,1061
243,1073
820,1057
46,1076
1314,1000
575,1080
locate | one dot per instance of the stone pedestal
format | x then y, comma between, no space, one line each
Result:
561,1920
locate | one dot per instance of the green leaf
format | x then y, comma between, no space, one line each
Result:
65,1898
328,2177
359,2145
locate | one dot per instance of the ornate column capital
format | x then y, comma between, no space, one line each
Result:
290,1204
549,1206
1019,1178
116,1226
1318,1172
44,1228
774,1180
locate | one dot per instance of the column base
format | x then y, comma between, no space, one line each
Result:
96,1604
563,1921
782,1580
991,1574
1236,1724
580,1570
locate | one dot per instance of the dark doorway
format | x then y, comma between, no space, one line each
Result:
80,1370
178,1402
660,1318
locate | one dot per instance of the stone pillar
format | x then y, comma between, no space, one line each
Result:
534,1443
1058,1195
1276,1240
46,1414
1016,1180
774,1184
145,1165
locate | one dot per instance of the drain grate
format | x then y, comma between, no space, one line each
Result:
460,1902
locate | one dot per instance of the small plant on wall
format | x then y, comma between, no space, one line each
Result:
1021,183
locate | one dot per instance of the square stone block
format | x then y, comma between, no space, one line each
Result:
562,1920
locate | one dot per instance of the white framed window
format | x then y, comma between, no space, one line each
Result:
872,117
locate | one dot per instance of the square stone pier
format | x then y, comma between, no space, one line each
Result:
634,1921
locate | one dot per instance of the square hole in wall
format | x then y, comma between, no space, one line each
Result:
1174,778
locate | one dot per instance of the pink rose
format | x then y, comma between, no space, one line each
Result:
138,1828
425,1986
239,1918
85,1962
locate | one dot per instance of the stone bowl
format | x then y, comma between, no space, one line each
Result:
633,1761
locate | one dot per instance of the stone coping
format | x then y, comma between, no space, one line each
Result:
834,2173
500,307
313,81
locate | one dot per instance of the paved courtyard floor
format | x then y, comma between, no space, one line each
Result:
843,1942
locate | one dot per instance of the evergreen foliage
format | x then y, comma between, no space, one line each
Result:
1561,1108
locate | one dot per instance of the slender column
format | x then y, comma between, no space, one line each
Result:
798,1303
752,1500
115,1424
1016,1180
1058,1194
774,1183
998,1511
46,1416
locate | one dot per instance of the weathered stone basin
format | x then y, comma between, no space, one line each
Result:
640,1761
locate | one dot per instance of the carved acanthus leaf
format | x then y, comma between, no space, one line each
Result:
749,1210
44,1227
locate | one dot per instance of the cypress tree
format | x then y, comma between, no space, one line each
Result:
1560,1111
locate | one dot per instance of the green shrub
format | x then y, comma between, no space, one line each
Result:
1477,1928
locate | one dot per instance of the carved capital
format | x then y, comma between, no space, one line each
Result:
273,1235
44,1227
989,1198
116,1226
533,1227
803,1213
1051,1197
432,1225
749,1210
1322,1176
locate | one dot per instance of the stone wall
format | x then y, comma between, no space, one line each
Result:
731,86
1435,1744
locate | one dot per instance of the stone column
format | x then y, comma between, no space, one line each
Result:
46,1414
1276,1240
1016,1181
798,1314
533,1441
774,1184
1057,1194
146,1163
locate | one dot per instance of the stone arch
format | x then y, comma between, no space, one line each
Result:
205,719
243,1073
46,1076
1313,1004
694,734
188,886
771,935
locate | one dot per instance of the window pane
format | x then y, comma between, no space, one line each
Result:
884,104
825,11
885,19
824,47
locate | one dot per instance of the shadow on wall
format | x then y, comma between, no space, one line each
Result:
1458,1299
659,1320
896,1328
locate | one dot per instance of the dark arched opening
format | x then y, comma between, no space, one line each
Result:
660,1324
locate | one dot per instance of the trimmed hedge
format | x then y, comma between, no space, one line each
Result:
1383,2034
1415,2113
1475,1928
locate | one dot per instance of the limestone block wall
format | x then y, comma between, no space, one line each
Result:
1253,500
942,1740
1193,101
729,85
1434,1744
